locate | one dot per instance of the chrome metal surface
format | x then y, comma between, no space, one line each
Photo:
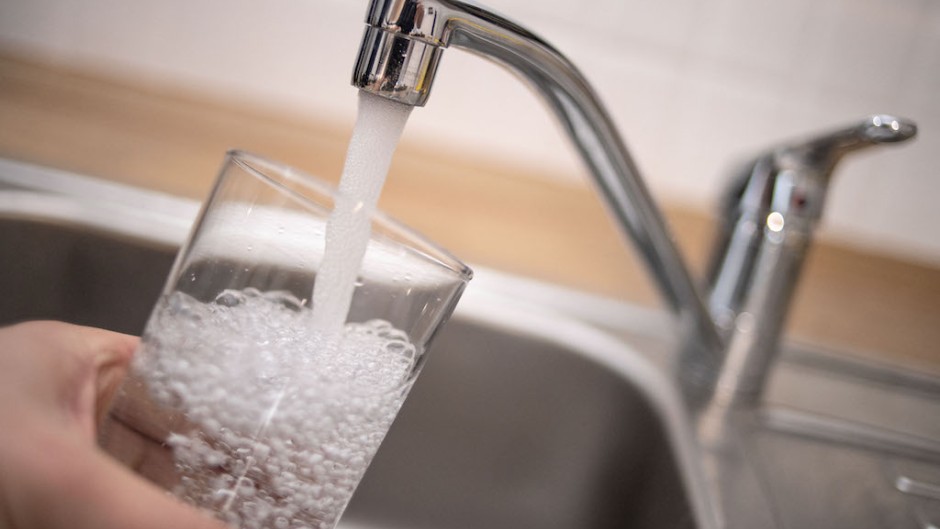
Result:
400,67
397,29
770,215
539,406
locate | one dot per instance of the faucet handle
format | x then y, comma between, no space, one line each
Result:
793,178
771,212
820,154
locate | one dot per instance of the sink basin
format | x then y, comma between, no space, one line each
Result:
508,430
519,419
538,406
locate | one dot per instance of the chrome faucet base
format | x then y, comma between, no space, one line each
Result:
770,216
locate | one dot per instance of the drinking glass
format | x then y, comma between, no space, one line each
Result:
237,400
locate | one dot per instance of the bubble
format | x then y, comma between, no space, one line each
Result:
246,487
222,495
285,299
230,298
215,458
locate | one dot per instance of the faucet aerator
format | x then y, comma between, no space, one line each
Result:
396,66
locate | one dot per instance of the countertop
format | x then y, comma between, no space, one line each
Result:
487,214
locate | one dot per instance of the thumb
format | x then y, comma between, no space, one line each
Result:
90,490
54,380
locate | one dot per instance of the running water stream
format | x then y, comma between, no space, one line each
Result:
378,129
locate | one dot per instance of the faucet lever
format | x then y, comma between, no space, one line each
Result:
822,153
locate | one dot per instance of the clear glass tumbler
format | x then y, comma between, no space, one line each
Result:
237,401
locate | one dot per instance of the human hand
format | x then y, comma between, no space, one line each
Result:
56,381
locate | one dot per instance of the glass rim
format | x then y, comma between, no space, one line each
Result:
415,241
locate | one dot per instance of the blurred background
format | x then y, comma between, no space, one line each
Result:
694,85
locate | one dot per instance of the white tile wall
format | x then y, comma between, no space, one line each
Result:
694,84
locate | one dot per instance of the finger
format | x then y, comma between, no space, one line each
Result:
70,484
110,354
104,360
122,500
103,347
65,372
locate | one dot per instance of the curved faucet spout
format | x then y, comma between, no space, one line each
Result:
398,60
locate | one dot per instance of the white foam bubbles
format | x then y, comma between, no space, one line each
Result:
281,423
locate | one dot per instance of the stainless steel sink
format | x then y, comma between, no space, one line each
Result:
503,429
507,427
539,406
510,430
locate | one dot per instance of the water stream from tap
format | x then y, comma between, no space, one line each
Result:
378,129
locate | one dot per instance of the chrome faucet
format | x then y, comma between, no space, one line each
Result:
780,195
398,59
